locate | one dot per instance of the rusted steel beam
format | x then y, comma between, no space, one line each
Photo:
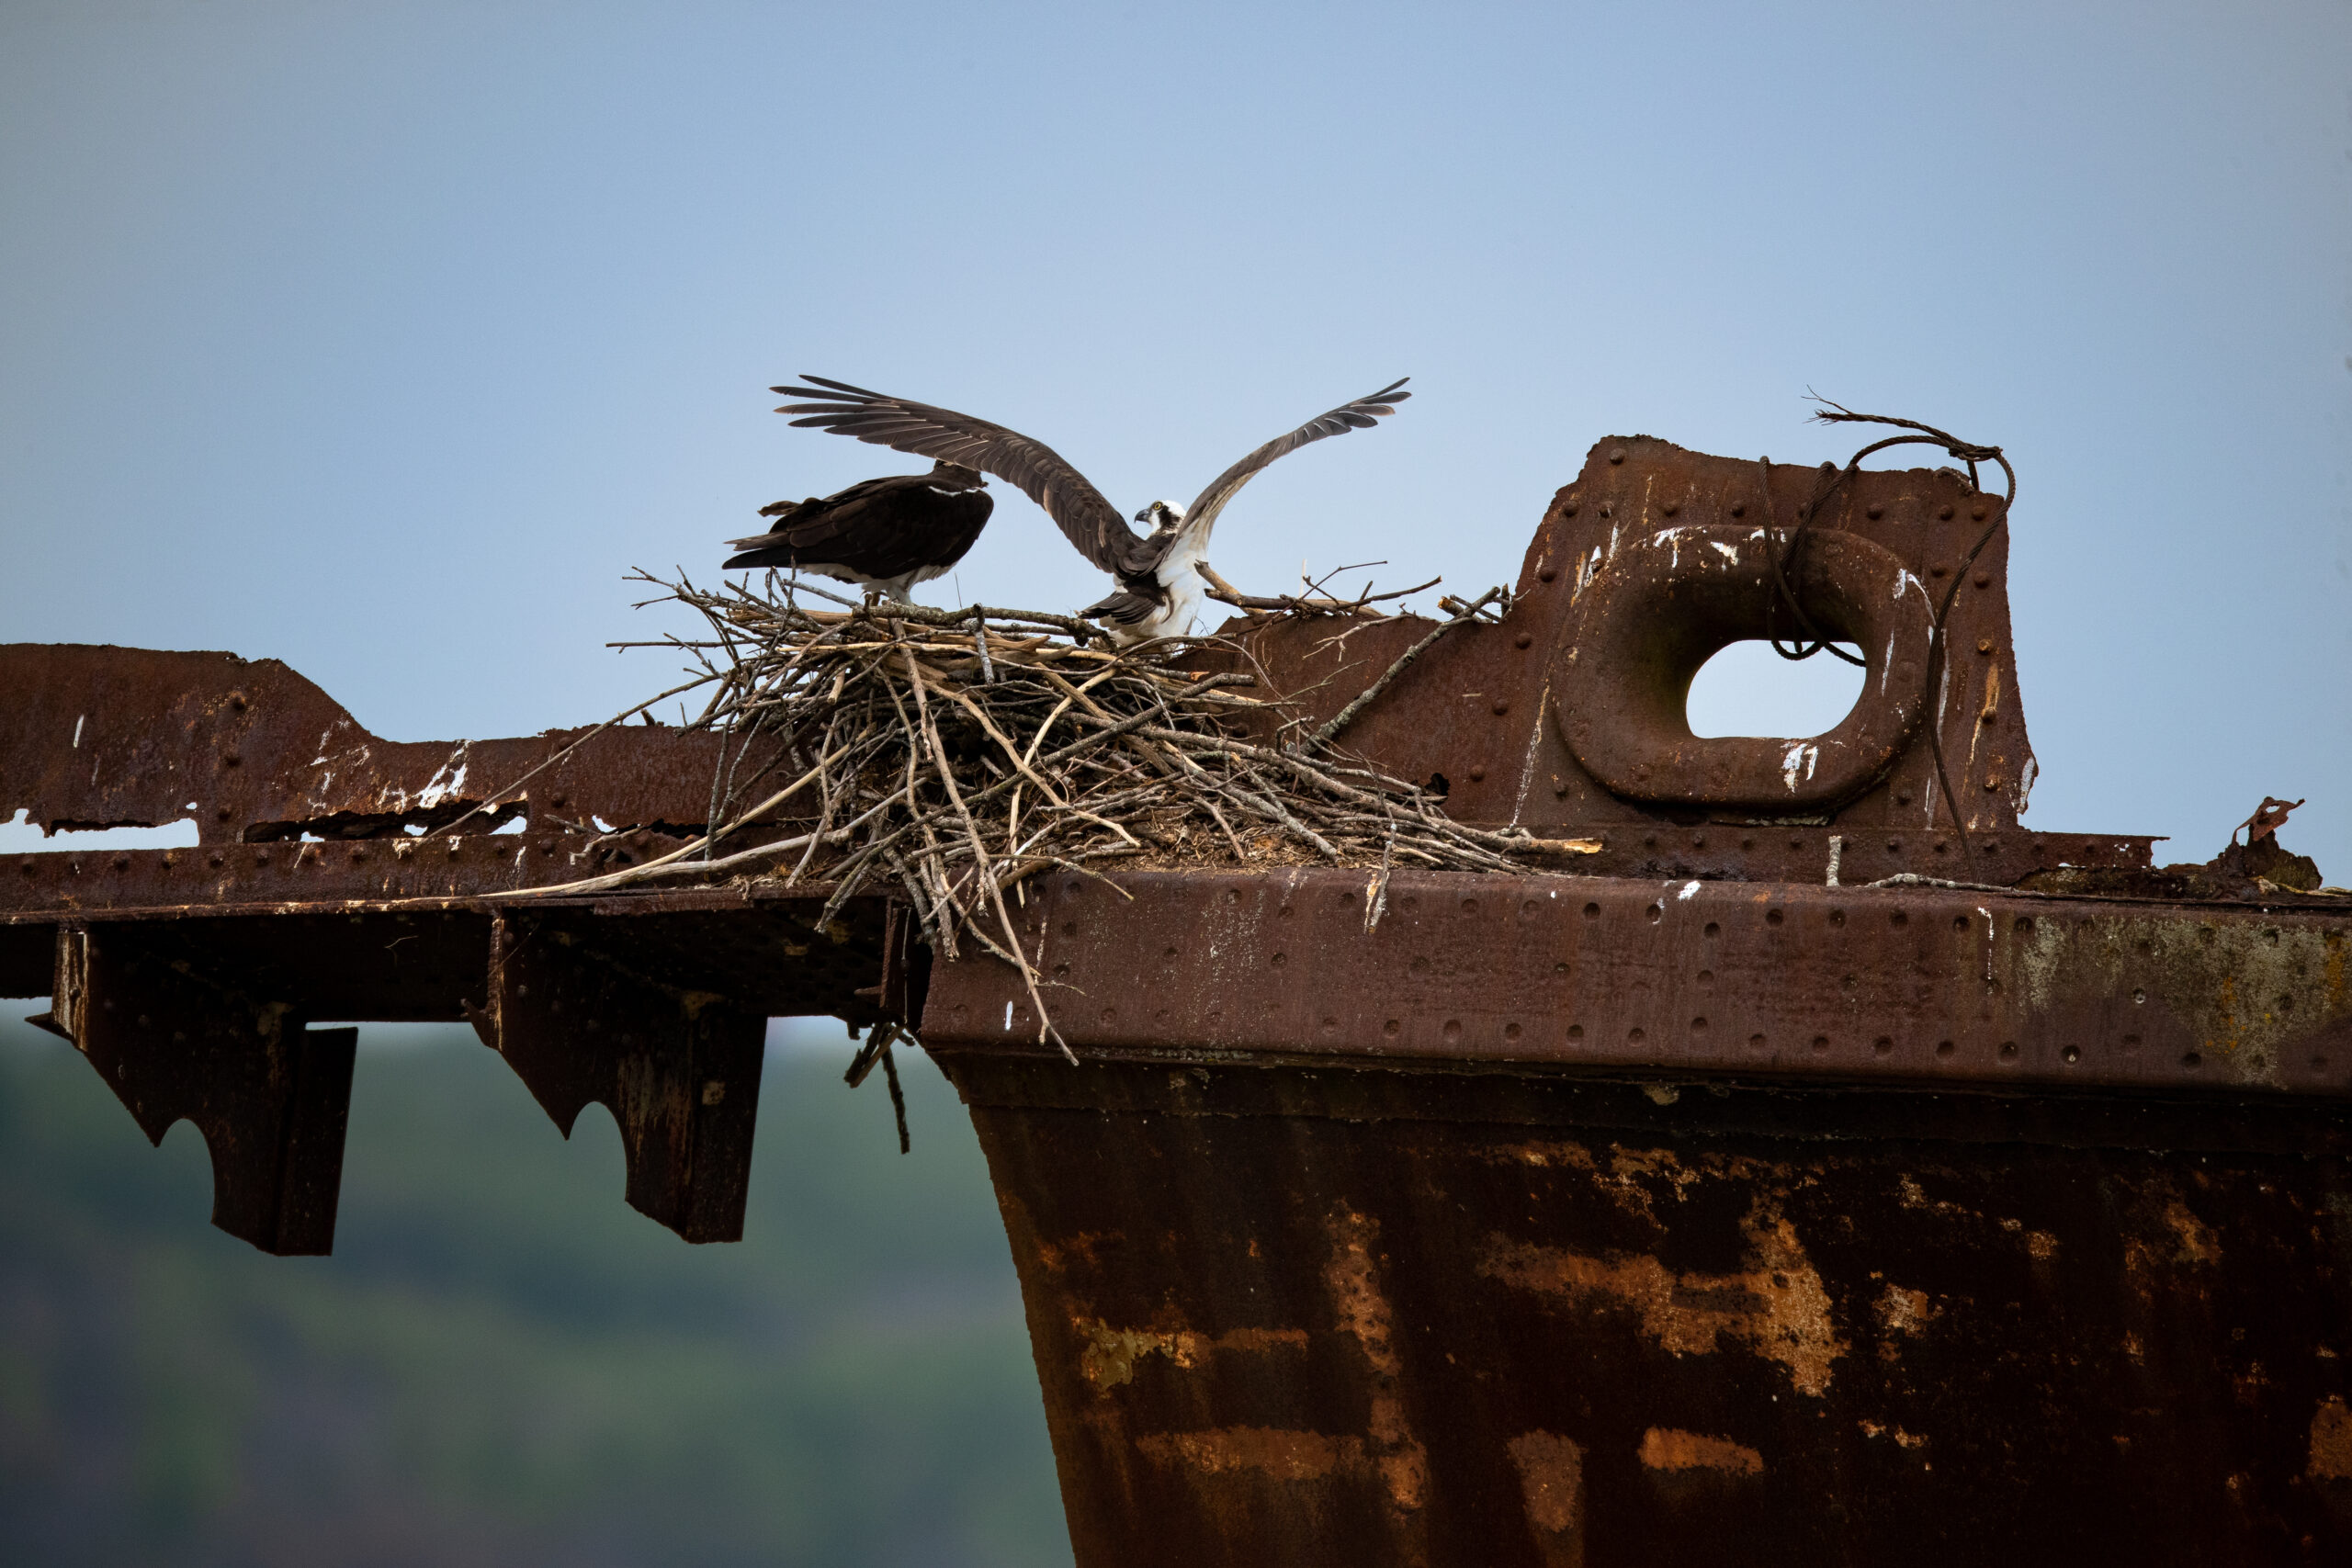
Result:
1874,985
653,1003
69,879
101,737
177,1042
678,1068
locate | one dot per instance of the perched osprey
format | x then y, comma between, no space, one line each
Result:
884,535
1160,573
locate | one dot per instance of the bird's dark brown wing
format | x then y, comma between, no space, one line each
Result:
1360,414
1090,523
879,528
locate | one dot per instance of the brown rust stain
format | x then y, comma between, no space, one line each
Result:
1108,1355
1777,1306
1634,1179
1361,1308
2197,1244
1902,1311
1902,1439
2332,1440
2178,1239
1667,1448
1272,1451
1080,1246
1550,1478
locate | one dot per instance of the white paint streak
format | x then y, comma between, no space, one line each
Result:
443,783
1527,763
77,732
1730,552
1008,1018
1690,889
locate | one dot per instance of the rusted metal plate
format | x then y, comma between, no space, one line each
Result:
679,1068
176,1042
1639,530
100,736
1339,1314
1917,984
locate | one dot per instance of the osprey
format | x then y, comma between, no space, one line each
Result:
883,534
1162,574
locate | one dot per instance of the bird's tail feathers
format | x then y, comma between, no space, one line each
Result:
1121,608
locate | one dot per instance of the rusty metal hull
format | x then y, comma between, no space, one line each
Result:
2002,1224
1338,1314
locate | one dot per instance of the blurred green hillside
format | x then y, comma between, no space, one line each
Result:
502,1363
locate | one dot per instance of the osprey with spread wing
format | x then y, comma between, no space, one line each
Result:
1160,573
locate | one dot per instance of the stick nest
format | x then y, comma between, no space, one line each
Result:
950,755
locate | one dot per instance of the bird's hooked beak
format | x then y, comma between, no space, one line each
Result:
1160,516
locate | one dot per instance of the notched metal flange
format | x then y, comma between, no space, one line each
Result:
679,1069
270,1096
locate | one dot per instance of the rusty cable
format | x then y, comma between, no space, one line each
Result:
1833,479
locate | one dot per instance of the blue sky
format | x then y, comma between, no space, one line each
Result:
386,340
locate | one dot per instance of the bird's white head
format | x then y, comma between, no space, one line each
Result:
1161,516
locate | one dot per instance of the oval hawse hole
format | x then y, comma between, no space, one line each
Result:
1748,690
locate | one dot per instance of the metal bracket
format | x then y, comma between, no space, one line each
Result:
679,1069
270,1096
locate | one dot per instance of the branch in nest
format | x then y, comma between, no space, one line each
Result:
1310,603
